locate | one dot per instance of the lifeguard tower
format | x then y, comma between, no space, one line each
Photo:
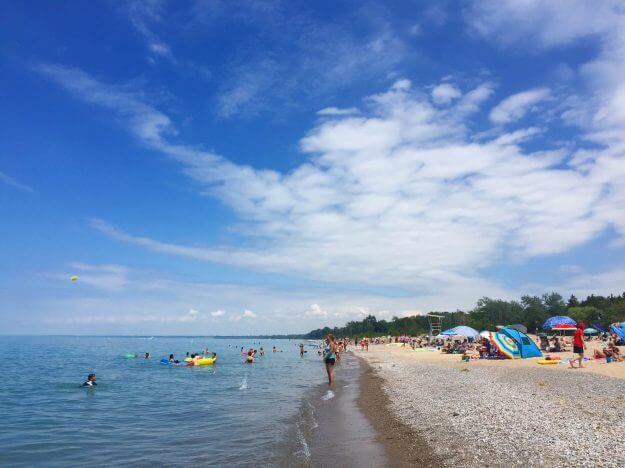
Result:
436,324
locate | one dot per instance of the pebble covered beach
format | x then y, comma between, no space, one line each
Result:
504,415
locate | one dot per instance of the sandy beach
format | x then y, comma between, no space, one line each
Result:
431,409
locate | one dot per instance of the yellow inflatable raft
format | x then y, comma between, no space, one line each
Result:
547,361
206,361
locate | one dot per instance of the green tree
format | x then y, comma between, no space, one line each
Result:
573,302
554,304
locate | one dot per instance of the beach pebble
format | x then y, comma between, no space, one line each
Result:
504,416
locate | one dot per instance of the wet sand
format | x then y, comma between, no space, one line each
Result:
404,447
345,437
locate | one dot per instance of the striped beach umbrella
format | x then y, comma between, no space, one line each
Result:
506,345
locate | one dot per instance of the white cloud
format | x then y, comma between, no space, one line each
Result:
337,111
445,93
403,194
193,312
249,314
218,313
516,106
11,182
597,109
315,310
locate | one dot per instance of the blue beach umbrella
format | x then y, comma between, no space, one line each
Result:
559,320
590,331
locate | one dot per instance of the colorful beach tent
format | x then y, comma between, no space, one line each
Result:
466,331
559,320
527,347
506,345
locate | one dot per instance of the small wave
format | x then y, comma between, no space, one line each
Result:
313,421
243,384
304,450
328,396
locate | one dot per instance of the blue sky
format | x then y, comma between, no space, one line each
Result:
253,167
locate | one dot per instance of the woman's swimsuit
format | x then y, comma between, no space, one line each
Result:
329,357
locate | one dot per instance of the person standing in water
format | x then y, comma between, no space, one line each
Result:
301,350
329,357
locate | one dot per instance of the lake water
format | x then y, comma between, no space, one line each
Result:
145,413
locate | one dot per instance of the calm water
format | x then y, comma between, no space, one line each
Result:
144,413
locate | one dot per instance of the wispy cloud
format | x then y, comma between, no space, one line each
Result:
11,182
516,106
143,14
308,59
332,111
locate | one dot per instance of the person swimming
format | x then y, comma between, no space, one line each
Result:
90,382
262,352
250,356
148,356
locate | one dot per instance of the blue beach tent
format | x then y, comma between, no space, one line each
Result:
466,331
620,332
598,327
527,347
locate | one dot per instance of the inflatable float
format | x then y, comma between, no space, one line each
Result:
187,362
206,361
543,362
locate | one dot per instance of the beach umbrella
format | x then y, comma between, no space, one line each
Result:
449,332
590,331
564,327
518,327
485,334
559,320
506,345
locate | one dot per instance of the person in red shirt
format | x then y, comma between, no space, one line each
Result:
578,345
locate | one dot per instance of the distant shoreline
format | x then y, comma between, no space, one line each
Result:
217,337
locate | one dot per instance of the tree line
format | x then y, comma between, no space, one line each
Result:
531,311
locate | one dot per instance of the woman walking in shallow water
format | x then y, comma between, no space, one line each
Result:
329,357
